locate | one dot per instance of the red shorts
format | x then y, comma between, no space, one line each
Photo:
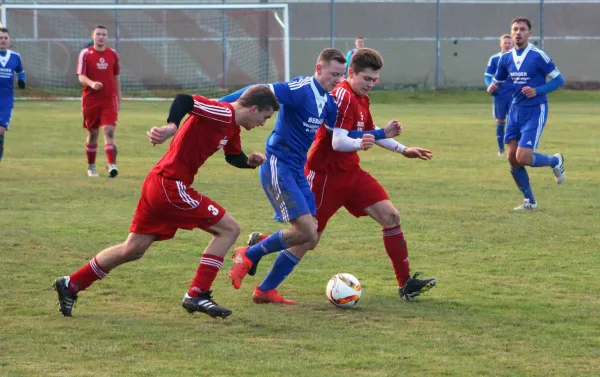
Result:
355,190
167,205
96,114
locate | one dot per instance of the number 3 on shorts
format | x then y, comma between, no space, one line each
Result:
213,210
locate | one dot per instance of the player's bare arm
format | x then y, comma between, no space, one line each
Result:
118,88
84,80
158,135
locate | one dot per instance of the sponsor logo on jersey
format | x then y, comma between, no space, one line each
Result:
102,64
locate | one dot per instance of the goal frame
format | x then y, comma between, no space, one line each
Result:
285,22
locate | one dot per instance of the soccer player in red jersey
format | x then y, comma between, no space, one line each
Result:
99,72
337,180
169,203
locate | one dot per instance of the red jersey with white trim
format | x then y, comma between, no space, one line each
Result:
210,127
100,66
353,114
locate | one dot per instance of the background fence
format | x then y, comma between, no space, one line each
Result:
434,43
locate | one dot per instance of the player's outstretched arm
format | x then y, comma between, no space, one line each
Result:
340,142
242,161
182,104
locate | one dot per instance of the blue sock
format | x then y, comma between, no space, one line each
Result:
273,243
1,145
540,160
500,136
283,266
522,180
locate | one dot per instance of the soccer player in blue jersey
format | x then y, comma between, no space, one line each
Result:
305,104
502,97
527,67
10,63
359,42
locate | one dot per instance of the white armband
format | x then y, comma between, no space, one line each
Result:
342,143
391,144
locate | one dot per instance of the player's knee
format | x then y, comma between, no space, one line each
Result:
233,229
312,240
391,218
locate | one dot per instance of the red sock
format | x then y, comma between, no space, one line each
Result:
205,275
111,153
90,150
86,275
395,247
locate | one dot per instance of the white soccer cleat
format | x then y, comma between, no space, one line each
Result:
91,171
526,206
112,170
500,153
559,170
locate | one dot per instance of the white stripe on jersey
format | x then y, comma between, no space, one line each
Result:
213,109
542,54
82,54
300,84
341,93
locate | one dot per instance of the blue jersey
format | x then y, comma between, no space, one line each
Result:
527,67
505,90
10,64
304,106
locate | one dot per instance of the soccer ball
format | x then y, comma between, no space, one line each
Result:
343,290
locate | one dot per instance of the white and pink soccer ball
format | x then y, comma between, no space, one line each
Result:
343,290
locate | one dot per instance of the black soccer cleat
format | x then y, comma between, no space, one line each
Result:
66,299
253,240
415,287
204,304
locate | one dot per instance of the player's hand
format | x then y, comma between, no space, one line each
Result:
418,152
96,85
256,159
393,129
529,92
21,84
492,88
367,142
159,135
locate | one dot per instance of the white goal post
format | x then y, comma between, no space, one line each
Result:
212,48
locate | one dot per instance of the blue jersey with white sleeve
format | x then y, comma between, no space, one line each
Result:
505,90
10,63
526,67
305,105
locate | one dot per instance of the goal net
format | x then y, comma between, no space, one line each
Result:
207,49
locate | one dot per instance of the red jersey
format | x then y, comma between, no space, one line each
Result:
353,114
210,127
100,66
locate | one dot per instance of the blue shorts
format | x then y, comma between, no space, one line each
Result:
287,190
5,115
525,124
501,106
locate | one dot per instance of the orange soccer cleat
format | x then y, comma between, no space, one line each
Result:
260,297
241,266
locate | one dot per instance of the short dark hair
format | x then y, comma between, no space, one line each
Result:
366,58
330,54
4,30
100,27
260,96
357,38
521,19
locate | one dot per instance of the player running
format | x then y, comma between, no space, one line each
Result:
169,203
99,72
306,104
11,64
502,97
527,67
337,180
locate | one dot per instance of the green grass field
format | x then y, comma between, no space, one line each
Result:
517,293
